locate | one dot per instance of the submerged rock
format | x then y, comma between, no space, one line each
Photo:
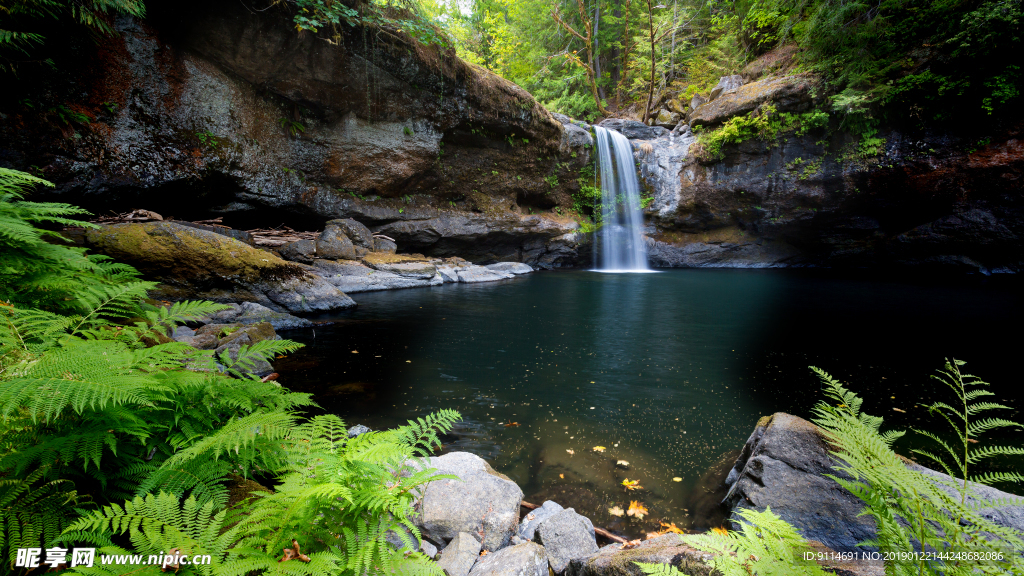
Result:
459,555
358,430
527,559
481,502
196,264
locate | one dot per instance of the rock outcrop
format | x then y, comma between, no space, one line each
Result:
732,98
782,466
922,200
196,264
230,112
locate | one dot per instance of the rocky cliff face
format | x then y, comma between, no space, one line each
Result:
216,108
925,199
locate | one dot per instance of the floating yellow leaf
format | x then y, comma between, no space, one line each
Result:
636,510
670,528
677,479
632,484
598,448
622,463
616,511
561,476
720,531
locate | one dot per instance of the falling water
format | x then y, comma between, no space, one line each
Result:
622,249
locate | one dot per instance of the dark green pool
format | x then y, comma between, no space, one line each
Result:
668,372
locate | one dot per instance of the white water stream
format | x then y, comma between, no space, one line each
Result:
618,239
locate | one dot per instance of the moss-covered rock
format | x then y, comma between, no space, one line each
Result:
193,263
788,94
613,560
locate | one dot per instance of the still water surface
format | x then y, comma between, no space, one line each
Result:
668,372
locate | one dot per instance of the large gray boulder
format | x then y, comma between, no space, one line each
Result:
299,251
576,134
384,245
613,560
459,556
566,536
526,559
788,94
528,527
449,274
482,238
783,465
334,244
480,501
359,234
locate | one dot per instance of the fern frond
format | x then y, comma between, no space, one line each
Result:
659,569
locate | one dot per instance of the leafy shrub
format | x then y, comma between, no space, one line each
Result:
114,439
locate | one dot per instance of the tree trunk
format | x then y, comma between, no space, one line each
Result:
650,91
588,42
597,49
627,43
672,54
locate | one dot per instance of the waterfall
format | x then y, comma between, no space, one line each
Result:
618,237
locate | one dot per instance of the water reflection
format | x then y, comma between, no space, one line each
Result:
668,372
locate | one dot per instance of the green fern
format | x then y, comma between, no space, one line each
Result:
765,545
964,422
35,269
912,511
331,495
659,569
